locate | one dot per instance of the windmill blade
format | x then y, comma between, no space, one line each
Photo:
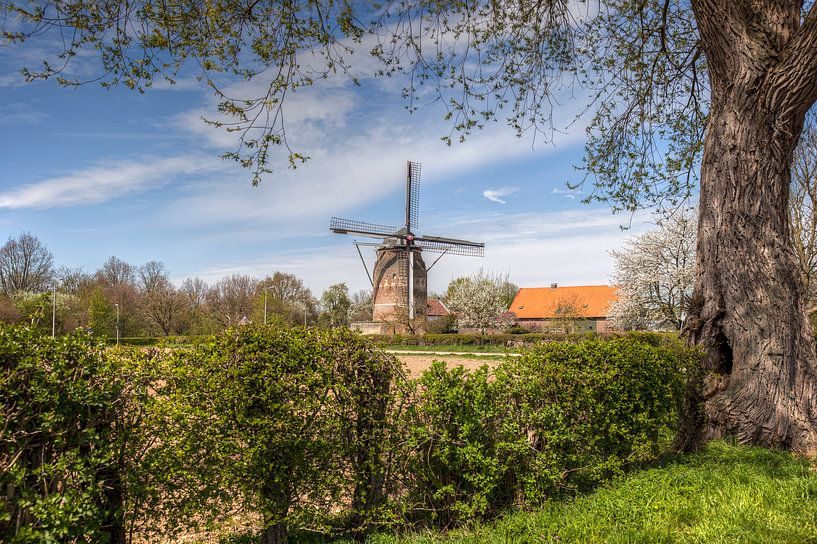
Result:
450,246
412,195
349,226
367,244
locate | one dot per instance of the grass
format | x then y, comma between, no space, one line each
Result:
725,494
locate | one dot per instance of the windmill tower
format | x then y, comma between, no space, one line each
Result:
399,282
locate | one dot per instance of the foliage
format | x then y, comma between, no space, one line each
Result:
479,301
589,410
458,463
335,305
311,428
640,62
68,430
462,339
654,274
722,494
283,422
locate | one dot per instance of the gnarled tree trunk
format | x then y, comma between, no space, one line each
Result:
760,373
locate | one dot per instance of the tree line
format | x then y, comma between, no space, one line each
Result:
141,300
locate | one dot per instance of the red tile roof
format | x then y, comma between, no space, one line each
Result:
436,308
542,302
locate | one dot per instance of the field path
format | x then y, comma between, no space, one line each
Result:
418,361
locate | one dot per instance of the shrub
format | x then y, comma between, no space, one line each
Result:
361,399
444,325
588,410
515,338
285,423
68,435
458,462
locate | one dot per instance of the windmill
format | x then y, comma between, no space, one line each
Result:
400,274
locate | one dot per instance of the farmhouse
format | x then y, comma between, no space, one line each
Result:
581,308
436,309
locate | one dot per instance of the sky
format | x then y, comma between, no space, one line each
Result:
94,173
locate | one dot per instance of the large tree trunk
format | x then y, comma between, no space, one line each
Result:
748,314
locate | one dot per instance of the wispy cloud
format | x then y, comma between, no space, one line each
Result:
571,248
19,113
567,193
103,182
495,195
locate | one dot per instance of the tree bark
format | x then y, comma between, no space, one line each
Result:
759,377
274,534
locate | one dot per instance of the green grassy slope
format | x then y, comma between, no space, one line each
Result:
725,494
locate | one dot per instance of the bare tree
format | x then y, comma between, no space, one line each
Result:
25,265
116,281
73,280
164,305
152,275
231,299
195,290
115,271
803,210
568,313
161,303
655,273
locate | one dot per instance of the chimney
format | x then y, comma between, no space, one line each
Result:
554,285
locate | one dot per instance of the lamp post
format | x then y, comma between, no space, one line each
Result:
265,305
117,323
54,312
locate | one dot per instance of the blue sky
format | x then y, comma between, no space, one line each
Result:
95,173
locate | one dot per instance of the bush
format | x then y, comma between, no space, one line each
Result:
458,464
515,338
444,325
589,410
67,440
318,429
285,423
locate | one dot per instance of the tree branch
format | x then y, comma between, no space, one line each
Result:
793,81
720,28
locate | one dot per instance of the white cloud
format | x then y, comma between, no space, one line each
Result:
19,113
495,195
104,182
570,247
567,193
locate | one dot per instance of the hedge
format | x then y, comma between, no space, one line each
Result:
319,429
529,339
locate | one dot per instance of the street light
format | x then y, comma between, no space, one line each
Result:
54,312
117,323
265,305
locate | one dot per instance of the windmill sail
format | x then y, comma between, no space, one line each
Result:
350,226
412,196
399,278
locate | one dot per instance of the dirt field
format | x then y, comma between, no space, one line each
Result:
416,363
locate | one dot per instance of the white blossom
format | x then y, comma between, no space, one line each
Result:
655,273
